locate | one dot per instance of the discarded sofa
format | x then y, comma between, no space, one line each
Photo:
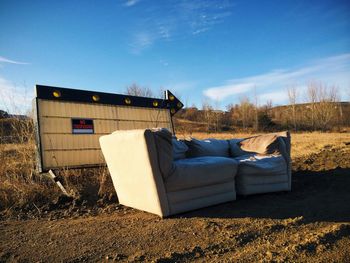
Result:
154,172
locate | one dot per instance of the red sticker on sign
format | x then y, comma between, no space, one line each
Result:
82,126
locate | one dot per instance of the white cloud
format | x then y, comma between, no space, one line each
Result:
10,61
131,2
272,85
13,98
221,92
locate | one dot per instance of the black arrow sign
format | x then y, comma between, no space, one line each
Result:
74,95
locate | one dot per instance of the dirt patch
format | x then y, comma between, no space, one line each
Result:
330,157
311,223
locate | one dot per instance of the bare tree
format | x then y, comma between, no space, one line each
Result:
327,105
136,90
207,110
268,106
293,97
312,99
217,114
161,93
256,109
246,111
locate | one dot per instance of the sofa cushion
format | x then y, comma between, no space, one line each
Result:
208,147
261,165
179,149
261,144
235,148
201,171
162,138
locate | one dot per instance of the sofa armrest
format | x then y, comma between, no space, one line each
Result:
285,150
132,160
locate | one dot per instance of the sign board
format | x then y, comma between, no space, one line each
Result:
69,122
82,126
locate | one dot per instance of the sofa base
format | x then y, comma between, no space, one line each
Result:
191,199
262,188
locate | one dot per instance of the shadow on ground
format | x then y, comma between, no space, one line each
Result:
315,196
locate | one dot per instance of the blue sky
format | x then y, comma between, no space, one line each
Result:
201,50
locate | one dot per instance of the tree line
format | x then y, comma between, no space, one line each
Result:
319,107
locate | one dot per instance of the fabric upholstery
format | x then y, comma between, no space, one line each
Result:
201,171
179,149
204,201
146,177
132,160
263,172
261,165
208,147
262,144
250,189
163,141
235,149
200,192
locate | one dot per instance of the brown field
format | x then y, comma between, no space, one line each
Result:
311,223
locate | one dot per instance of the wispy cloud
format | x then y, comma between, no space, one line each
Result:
163,62
333,70
10,61
181,86
142,40
131,2
177,19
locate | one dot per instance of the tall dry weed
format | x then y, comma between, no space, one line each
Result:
20,185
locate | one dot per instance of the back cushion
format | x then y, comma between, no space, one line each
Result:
208,147
162,139
179,149
235,148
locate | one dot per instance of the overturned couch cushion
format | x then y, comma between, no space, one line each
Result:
261,144
179,149
208,147
201,171
262,168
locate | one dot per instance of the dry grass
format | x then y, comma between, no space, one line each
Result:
21,186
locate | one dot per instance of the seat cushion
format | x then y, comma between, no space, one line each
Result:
201,171
261,165
179,149
208,147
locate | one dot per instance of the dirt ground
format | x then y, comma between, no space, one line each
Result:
309,224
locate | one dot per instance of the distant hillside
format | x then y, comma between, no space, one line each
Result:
341,112
305,116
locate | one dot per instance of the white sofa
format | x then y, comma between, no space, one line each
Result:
154,172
